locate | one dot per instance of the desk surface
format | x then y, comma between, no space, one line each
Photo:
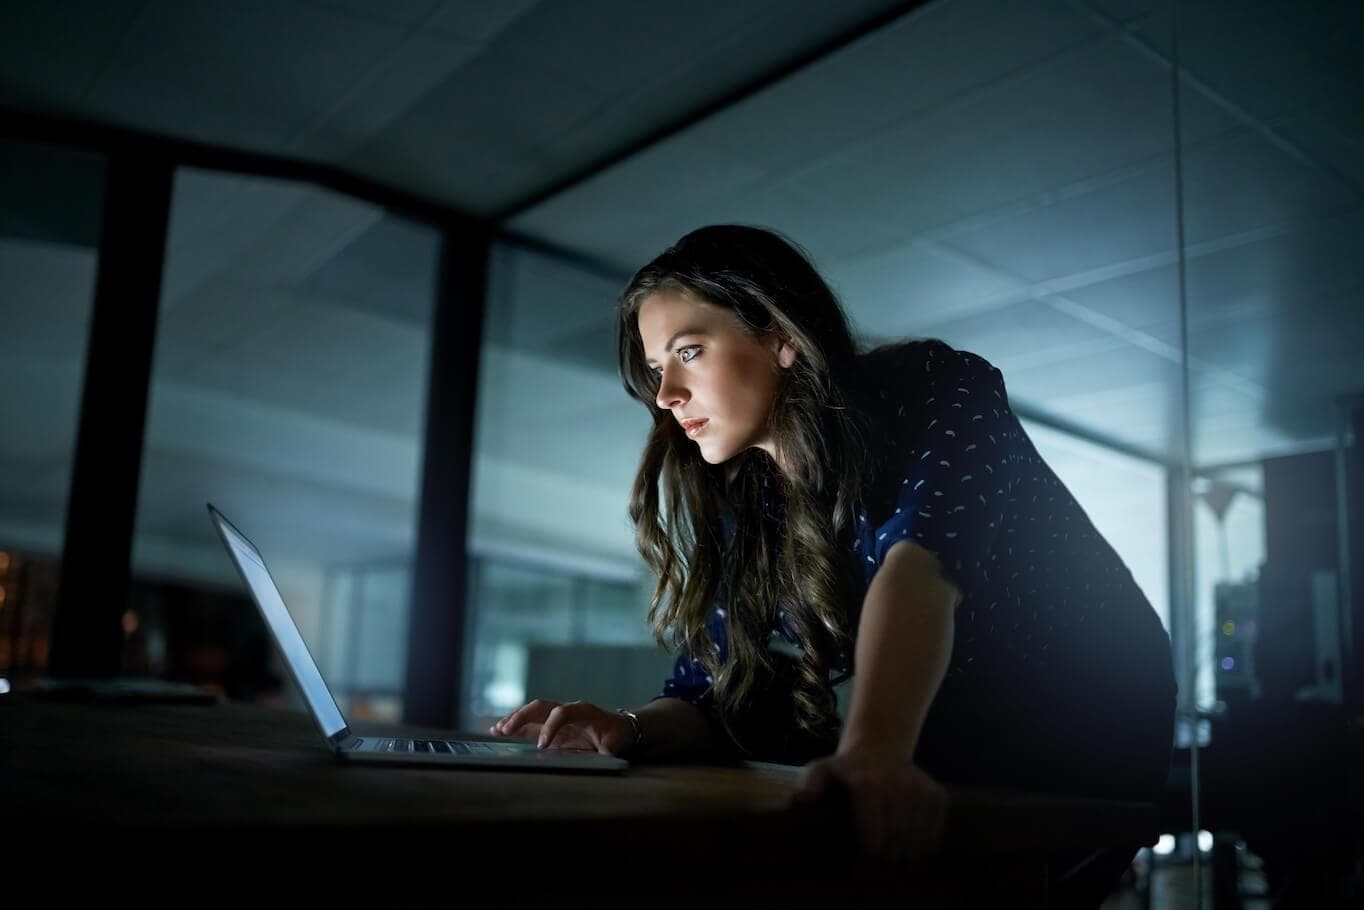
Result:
256,772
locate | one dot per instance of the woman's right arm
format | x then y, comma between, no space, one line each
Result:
683,730
670,729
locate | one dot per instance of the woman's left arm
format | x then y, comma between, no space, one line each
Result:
904,644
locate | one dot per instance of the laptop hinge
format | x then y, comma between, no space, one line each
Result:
343,741
350,744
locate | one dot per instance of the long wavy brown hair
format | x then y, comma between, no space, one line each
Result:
680,504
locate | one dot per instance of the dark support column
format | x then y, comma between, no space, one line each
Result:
87,634
435,644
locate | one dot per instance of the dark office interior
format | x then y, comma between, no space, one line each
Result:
347,270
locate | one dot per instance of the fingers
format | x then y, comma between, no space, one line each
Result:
555,724
558,717
532,712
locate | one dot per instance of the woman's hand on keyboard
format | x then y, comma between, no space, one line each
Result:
569,725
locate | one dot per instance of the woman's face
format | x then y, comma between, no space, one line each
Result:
718,381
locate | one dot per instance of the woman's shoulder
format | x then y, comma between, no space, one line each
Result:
886,367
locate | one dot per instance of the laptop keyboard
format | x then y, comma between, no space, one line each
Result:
449,747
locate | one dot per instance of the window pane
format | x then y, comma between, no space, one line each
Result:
288,389
1125,498
559,592
51,206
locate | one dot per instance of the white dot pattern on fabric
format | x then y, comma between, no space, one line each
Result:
936,504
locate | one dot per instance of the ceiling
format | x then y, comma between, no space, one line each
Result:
996,174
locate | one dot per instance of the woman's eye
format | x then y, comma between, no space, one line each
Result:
686,355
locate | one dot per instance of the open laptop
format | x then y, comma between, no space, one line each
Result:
441,751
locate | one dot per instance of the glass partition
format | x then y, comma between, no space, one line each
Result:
288,389
1272,222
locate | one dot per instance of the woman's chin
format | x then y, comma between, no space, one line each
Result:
713,454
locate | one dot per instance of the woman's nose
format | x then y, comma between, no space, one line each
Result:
670,394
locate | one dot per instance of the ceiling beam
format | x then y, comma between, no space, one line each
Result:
105,139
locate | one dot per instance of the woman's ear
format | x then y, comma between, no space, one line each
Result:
786,353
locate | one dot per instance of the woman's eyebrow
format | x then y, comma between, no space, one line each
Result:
667,348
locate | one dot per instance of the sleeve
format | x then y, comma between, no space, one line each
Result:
691,681
959,452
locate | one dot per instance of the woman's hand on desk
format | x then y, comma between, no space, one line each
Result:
898,810
569,725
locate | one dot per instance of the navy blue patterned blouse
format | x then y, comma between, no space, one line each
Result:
1052,638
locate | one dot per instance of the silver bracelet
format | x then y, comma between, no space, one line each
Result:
634,725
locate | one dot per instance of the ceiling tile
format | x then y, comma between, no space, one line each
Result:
1117,222
1146,300
1288,272
1026,332
381,95
1329,146
1242,182
479,21
915,288
1086,113
1274,59
185,69
401,12
926,59
52,53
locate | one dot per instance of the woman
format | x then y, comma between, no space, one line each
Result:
882,511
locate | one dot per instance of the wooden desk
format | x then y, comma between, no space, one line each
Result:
239,792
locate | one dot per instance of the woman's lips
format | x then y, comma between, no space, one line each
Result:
695,427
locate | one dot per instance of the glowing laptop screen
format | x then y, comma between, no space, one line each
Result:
282,627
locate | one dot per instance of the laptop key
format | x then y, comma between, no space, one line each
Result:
438,746
421,746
